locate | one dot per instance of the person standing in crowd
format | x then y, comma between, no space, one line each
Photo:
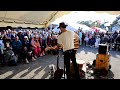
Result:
86,40
101,37
83,37
66,39
20,35
117,41
2,61
105,39
97,42
115,34
80,37
92,44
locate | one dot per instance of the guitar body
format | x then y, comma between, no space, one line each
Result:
58,74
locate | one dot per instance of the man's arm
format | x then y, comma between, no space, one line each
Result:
59,43
57,47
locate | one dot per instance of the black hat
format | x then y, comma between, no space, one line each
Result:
62,24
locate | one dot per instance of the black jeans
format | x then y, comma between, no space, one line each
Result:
70,55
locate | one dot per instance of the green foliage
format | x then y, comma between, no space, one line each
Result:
89,23
116,21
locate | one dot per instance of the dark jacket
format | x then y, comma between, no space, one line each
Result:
26,44
49,41
16,45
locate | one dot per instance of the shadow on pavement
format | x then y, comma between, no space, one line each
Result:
23,70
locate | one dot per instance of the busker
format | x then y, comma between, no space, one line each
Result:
66,39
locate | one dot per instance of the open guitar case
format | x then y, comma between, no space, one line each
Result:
59,73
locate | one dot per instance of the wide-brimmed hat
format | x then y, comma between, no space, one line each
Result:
62,24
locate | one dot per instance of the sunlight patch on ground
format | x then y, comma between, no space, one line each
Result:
89,56
30,74
40,74
19,74
6,74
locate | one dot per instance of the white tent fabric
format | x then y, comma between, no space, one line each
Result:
74,27
40,17
69,27
107,24
85,28
101,30
56,29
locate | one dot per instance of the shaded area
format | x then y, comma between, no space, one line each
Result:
29,70
40,68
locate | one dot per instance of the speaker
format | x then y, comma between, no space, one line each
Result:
103,49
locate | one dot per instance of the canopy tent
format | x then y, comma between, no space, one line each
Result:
96,29
69,27
39,18
56,29
84,28
101,30
74,27
109,12
35,18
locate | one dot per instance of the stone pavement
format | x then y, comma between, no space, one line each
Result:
40,68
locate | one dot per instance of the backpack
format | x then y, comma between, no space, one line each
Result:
10,58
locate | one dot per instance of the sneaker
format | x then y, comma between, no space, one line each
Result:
33,59
27,61
35,56
41,55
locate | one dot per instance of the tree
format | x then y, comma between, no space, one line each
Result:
87,23
116,21
90,23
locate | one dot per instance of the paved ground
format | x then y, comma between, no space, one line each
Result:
39,69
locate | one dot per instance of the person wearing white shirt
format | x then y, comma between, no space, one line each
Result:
86,40
97,42
1,46
66,39
80,37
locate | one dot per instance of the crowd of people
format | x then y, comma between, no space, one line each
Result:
29,44
96,38
25,45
